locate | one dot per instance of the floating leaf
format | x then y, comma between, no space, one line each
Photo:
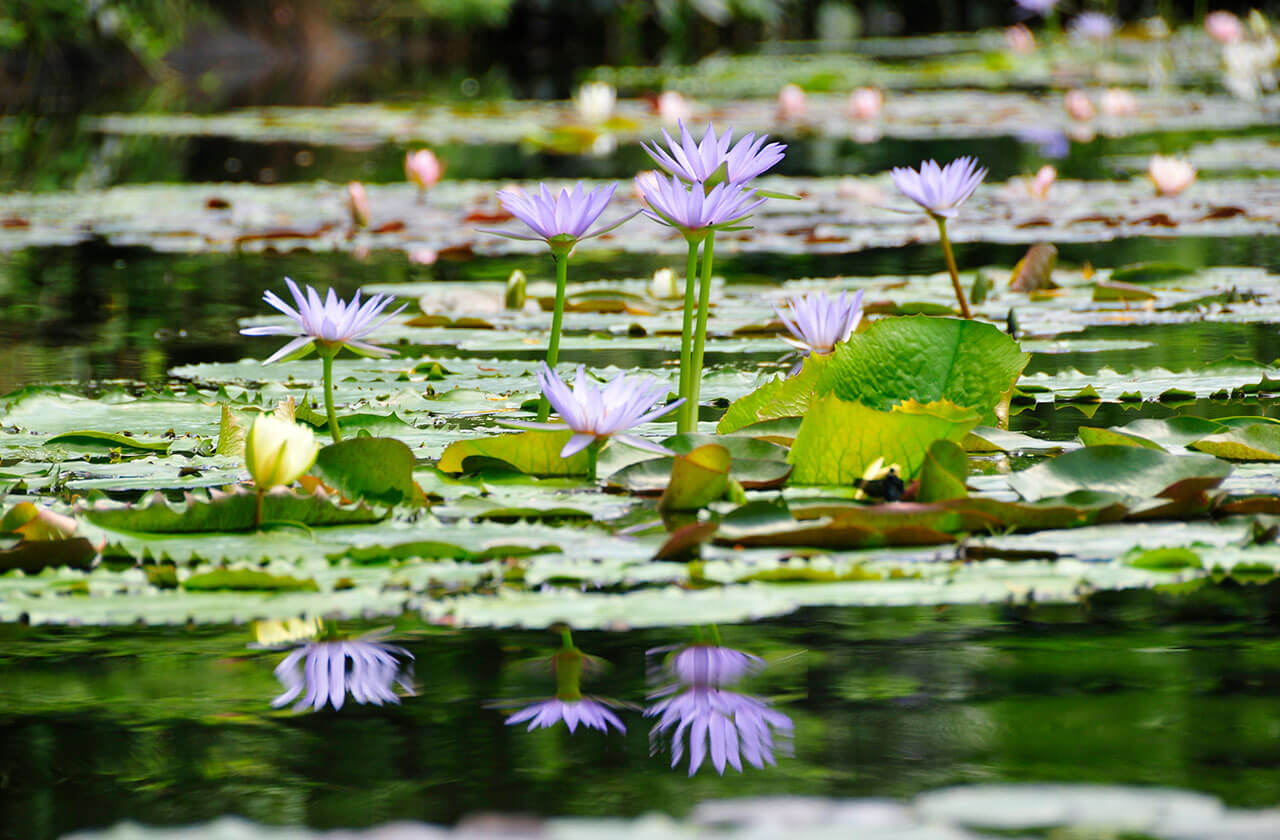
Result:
839,440
104,442
943,475
1128,470
697,478
226,511
1254,442
532,453
784,396
967,363
377,469
247,580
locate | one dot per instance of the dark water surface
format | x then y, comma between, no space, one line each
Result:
174,726
96,312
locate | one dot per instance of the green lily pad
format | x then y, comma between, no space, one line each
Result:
839,440
967,363
697,478
1129,470
379,470
226,511
532,453
1253,442
103,442
943,475
785,396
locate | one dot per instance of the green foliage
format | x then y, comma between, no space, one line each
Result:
967,363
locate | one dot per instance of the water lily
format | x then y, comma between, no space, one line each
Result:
673,108
1224,27
697,213
1042,182
369,671
1171,175
1037,7
424,169
562,221
596,414
940,190
559,219
1118,102
716,159
692,210
595,102
818,323
327,325
1020,39
277,452
1078,105
358,204
1092,26
865,103
663,285
728,726
791,103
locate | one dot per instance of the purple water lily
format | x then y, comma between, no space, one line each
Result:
370,671
330,322
598,413
713,160
692,210
729,726
940,190
1038,7
818,323
561,220
589,712
1092,26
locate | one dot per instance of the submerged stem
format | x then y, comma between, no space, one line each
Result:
557,322
686,420
951,266
326,357
700,337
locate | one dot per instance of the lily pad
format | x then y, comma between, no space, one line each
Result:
1129,470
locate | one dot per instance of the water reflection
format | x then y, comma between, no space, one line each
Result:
328,670
728,726
569,704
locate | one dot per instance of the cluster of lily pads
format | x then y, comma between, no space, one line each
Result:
887,429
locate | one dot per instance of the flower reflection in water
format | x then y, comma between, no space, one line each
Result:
568,704
729,726
327,671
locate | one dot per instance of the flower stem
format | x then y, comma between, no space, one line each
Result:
951,266
257,509
326,357
700,338
686,420
593,457
557,321
566,638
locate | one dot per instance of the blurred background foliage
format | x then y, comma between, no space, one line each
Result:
62,53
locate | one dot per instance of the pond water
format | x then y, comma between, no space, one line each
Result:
1109,629
170,726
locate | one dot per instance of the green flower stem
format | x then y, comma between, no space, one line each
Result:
557,322
700,338
685,419
567,663
566,638
326,357
593,457
257,508
951,266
